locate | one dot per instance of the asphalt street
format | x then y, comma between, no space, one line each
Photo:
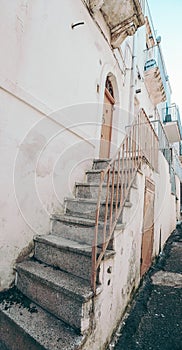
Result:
155,316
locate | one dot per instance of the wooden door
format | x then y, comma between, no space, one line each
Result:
148,226
106,129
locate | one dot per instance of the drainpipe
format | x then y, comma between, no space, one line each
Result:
132,81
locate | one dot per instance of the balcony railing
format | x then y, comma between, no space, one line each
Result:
155,74
172,123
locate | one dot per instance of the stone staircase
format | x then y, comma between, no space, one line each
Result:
51,305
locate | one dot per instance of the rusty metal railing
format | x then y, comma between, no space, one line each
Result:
140,144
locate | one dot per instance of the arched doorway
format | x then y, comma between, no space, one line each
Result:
106,129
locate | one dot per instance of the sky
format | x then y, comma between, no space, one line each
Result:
167,20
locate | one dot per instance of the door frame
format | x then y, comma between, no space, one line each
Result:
147,233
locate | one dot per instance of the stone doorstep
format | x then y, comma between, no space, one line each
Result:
22,329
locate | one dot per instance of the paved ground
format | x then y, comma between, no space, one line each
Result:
155,319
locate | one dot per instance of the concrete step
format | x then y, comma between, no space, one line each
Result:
26,326
103,163
74,228
94,175
77,229
86,208
67,255
100,163
66,296
91,190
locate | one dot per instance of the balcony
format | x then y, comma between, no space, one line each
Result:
122,17
155,75
172,123
164,145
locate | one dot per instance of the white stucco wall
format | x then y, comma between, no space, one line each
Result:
178,198
118,285
165,205
52,81
57,65
39,162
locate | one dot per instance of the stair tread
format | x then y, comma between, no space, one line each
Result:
73,219
80,221
47,330
94,184
101,160
68,244
88,200
81,200
69,219
97,171
57,278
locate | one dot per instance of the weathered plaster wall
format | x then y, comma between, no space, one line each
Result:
178,197
39,162
119,276
54,63
165,205
52,80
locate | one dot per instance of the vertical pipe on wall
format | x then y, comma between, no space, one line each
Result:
132,79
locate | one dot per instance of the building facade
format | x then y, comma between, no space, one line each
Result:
84,87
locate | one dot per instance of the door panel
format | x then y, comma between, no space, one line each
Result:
106,129
148,226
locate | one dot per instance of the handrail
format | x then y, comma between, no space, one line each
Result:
140,143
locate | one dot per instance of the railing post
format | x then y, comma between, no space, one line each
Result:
94,245
112,198
117,185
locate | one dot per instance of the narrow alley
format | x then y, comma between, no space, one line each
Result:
154,320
